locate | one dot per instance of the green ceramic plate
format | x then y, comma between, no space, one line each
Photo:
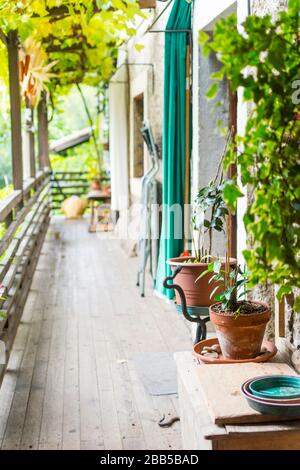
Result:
276,386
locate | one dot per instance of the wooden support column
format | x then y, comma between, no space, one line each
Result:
15,109
29,153
44,160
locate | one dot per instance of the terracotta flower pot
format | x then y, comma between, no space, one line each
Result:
95,185
240,337
197,294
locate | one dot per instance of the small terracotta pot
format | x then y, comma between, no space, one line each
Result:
197,294
240,337
95,185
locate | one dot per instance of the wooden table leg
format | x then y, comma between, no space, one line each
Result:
92,222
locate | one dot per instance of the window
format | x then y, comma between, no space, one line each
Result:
138,143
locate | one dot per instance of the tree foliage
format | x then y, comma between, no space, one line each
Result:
82,35
263,58
67,42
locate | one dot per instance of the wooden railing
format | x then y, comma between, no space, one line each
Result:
24,215
67,183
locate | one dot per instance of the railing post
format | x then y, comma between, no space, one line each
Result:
15,109
44,160
29,156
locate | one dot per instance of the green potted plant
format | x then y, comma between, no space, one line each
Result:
208,215
240,323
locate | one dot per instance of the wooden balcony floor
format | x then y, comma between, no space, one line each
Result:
71,383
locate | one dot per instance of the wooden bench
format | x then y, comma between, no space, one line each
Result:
215,416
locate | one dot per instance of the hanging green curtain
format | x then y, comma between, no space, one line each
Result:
173,138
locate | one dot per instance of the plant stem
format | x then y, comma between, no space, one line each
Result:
227,142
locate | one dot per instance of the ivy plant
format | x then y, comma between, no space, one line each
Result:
262,57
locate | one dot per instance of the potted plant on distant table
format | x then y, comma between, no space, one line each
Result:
95,184
240,324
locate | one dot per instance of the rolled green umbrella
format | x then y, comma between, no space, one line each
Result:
174,139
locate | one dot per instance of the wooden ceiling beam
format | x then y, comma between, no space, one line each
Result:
76,48
62,11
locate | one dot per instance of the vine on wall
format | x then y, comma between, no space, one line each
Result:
263,58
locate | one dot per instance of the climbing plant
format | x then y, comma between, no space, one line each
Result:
262,56
63,43
81,35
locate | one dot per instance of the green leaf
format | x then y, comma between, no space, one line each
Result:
231,194
215,278
218,75
202,275
212,92
214,291
204,41
219,297
284,290
139,47
228,293
203,37
210,267
248,94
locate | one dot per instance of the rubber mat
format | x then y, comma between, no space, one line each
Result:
157,372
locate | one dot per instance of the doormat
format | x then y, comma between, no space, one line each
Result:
157,372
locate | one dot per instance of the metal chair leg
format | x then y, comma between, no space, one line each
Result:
201,330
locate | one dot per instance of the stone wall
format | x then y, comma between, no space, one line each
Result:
267,7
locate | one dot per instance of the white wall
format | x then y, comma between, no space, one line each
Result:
118,139
149,80
207,12
205,15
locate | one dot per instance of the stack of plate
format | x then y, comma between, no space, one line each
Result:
277,395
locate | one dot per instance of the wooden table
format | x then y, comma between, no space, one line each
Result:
214,419
96,197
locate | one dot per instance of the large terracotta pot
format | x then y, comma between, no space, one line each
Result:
197,294
240,337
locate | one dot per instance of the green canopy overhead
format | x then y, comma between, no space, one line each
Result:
174,139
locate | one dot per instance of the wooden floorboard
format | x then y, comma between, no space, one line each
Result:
71,382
